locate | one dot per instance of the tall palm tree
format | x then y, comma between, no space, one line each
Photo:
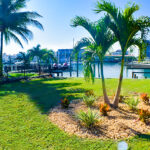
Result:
38,53
25,59
125,28
102,39
14,23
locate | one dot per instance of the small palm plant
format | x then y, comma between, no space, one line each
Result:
89,100
89,119
132,102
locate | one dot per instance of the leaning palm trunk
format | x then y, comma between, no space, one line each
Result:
106,99
116,99
1,54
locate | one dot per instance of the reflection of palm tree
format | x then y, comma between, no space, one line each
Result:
36,52
125,28
25,59
102,39
13,22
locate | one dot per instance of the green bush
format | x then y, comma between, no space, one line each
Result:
89,100
89,119
132,102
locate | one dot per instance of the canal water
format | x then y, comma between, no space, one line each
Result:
111,70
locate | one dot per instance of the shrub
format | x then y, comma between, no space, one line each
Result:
121,98
144,97
65,103
132,102
89,119
89,93
144,115
104,108
89,100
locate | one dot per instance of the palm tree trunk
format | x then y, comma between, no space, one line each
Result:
70,66
106,99
94,68
116,99
39,67
98,69
1,54
77,66
24,71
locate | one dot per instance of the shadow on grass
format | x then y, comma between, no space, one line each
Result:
44,94
144,136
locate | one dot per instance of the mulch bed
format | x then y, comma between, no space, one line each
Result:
120,123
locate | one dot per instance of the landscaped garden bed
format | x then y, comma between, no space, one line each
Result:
120,123
24,121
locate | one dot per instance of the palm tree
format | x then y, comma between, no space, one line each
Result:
76,51
102,39
49,57
14,23
25,59
125,28
36,52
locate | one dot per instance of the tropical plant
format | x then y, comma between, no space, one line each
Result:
145,98
89,118
89,100
144,115
89,93
125,28
25,59
104,108
38,53
102,39
132,102
65,103
14,22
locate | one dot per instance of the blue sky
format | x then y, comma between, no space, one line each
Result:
57,15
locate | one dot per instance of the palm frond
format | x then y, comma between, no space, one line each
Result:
85,23
109,7
129,10
10,35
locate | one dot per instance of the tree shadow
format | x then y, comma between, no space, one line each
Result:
44,94
144,136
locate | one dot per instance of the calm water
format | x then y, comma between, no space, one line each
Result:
111,70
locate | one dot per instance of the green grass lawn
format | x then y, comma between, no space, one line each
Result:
22,75
24,106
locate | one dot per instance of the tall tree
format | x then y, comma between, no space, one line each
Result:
14,23
125,28
97,46
38,53
49,57
25,59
